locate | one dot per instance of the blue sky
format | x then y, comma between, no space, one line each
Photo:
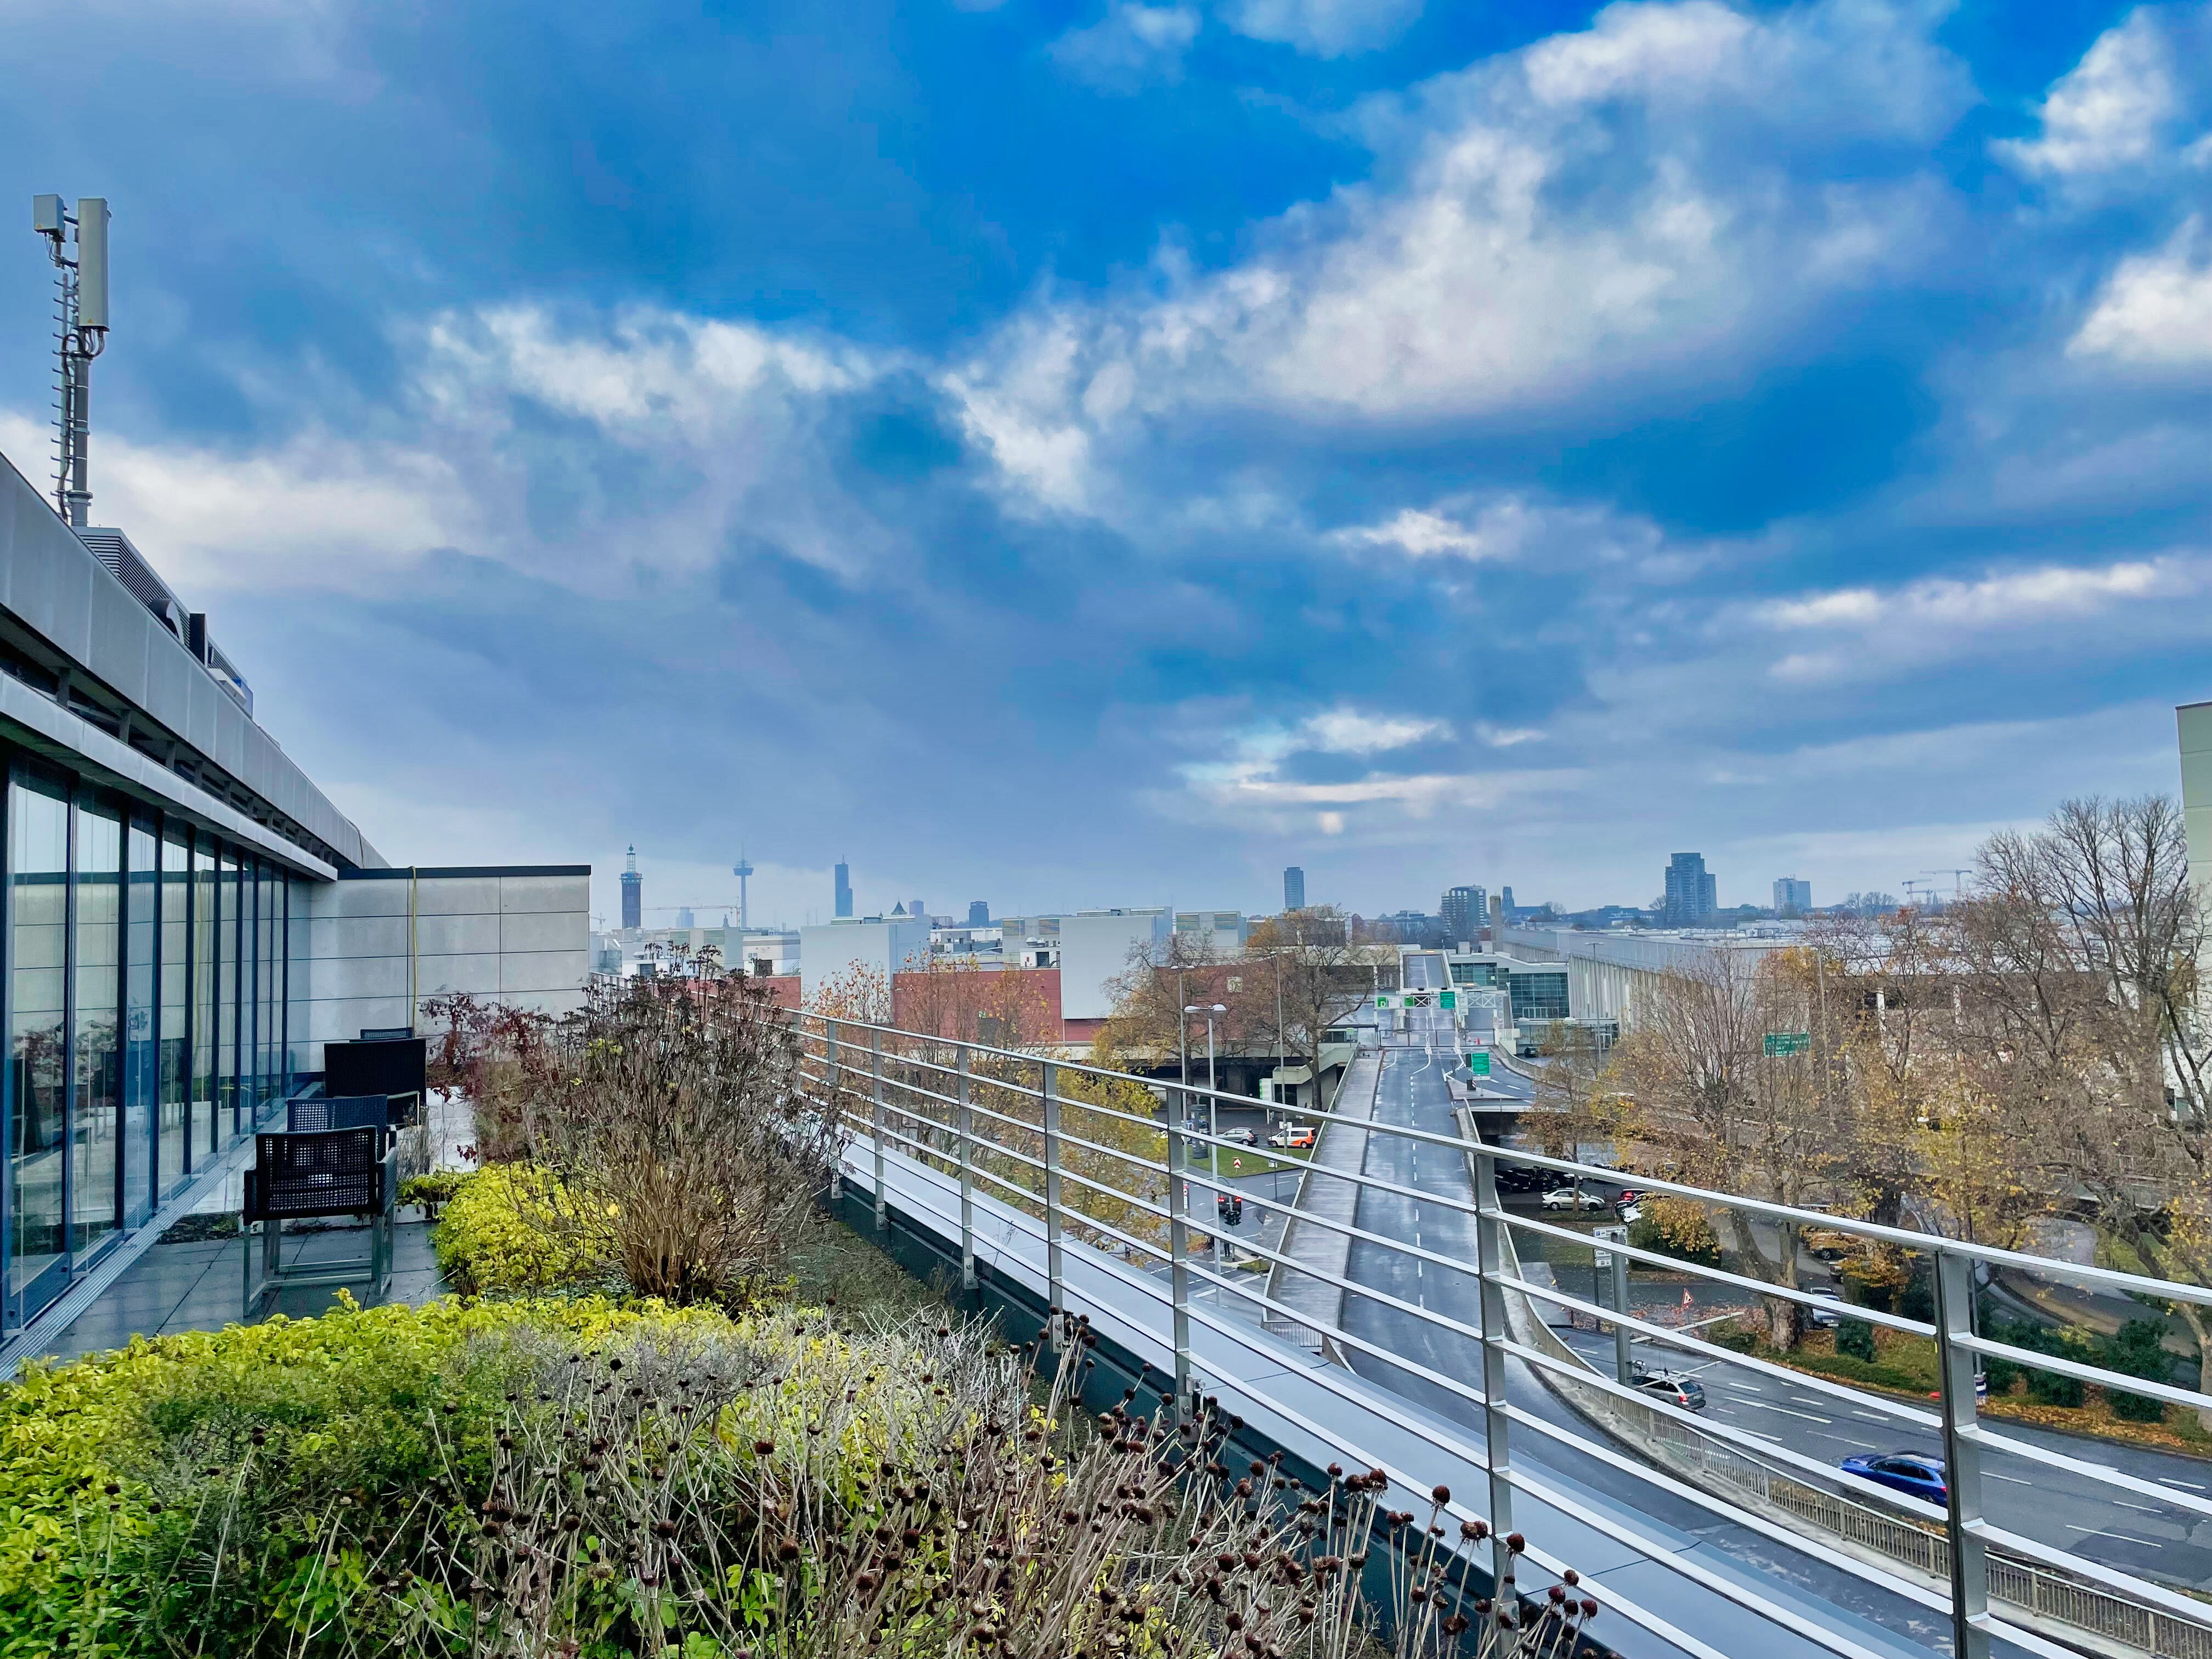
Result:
1068,454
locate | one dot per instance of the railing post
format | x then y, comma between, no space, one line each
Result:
1055,1282
963,1132
876,1124
1624,1366
1490,1247
1179,1256
1963,1525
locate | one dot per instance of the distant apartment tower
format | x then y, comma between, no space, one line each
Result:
1506,898
1294,888
633,893
685,918
978,913
913,908
1693,896
1791,894
844,905
1464,911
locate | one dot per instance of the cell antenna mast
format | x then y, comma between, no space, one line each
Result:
80,331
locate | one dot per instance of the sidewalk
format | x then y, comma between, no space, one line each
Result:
1339,1151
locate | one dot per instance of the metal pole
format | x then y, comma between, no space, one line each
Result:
961,1129
1179,1257
1213,1162
1055,1282
1963,1525
1490,1245
876,1121
1622,1366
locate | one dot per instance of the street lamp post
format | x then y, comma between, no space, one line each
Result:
1213,1122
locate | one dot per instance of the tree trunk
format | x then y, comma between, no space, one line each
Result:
2194,1318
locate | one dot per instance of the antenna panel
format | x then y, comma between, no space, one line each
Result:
92,262
47,215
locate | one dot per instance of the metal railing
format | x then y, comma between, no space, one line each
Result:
1081,1161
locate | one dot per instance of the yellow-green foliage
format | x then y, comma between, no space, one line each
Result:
340,1405
512,1229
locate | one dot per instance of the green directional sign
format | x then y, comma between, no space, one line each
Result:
1478,1062
1447,999
1382,1002
1789,1043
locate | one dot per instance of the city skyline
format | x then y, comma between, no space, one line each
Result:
673,477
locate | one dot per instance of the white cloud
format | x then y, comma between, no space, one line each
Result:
1348,731
2110,110
2155,310
1552,220
1509,526
1867,633
1323,28
1132,44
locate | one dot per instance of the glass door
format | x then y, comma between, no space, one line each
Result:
95,1135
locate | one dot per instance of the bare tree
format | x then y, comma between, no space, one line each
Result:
2080,943
1307,974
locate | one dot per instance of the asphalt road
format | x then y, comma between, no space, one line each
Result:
2070,1512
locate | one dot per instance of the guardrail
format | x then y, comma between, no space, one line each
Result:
1067,1148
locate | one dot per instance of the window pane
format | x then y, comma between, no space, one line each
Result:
226,1013
272,1069
95,1129
176,1007
38,879
203,987
141,1056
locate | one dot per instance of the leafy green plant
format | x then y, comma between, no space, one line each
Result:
2137,1349
1855,1338
433,1191
513,1229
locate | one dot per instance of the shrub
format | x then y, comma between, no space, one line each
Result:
2137,1349
434,1190
571,1477
1855,1338
512,1229
2045,1388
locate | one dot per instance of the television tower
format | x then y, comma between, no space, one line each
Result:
633,894
743,870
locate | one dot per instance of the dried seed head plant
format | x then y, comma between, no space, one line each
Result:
792,1491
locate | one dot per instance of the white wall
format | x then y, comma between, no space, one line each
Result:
1094,951
521,935
889,946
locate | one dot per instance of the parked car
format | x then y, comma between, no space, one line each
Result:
1686,1392
1572,1198
1825,1318
1514,1178
1239,1137
1631,1213
1292,1138
1912,1472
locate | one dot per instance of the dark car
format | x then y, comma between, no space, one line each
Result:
1909,1473
1686,1392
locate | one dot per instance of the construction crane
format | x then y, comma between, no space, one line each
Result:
1958,878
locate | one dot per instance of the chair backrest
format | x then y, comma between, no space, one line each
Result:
337,1112
319,1172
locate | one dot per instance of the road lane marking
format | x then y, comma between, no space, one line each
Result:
2099,1532
2168,1480
1792,1411
2014,1479
2145,1509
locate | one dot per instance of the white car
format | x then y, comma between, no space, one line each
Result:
1825,1318
1572,1198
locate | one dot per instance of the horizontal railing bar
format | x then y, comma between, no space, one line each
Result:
1994,1439
1712,1275
1673,1338
2075,1368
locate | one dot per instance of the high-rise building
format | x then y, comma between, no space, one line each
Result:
978,913
633,893
844,905
913,908
685,918
1294,888
1693,896
1505,896
1466,911
1791,894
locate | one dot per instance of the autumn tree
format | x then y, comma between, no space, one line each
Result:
2082,1018
1307,975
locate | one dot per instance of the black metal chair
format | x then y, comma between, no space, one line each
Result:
310,1115
299,1176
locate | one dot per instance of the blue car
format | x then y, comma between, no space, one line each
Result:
1906,1472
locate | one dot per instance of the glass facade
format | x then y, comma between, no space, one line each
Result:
147,1019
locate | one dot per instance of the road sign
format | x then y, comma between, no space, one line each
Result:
1382,1002
1787,1042
1478,1062
1608,1236
1447,999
